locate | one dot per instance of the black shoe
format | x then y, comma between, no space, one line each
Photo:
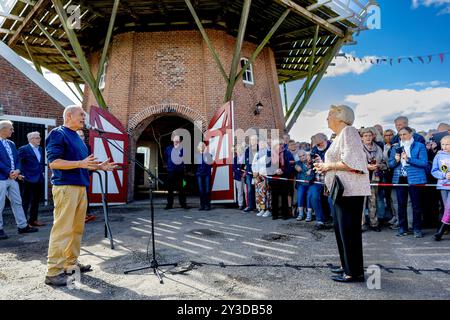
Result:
208,208
248,209
438,235
364,228
27,229
201,209
285,218
275,218
241,208
168,208
337,270
58,281
376,229
320,226
347,279
3,235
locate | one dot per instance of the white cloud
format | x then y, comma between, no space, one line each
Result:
425,109
434,83
434,3
343,66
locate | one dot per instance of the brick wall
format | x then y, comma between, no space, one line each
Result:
155,73
22,97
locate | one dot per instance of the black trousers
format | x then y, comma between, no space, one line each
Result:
347,227
175,182
32,194
279,189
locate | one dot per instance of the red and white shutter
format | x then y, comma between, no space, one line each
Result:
220,137
116,133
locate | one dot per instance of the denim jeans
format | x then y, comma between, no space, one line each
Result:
251,201
302,200
402,199
315,192
10,188
204,187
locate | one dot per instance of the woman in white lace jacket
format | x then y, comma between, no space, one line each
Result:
346,159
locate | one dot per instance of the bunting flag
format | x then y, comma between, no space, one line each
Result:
398,60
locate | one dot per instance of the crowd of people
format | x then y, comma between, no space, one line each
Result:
374,171
405,158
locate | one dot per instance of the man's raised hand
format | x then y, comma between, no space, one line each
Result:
89,162
107,165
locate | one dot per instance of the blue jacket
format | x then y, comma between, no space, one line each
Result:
203,163
237,169
178,166
321,153
441,165
31,168
303,175
5,161
418,164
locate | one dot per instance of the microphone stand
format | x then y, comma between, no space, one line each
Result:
154,264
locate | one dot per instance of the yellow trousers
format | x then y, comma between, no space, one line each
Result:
68,226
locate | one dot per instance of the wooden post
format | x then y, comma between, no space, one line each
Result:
206,39
107,41
237,50
36,65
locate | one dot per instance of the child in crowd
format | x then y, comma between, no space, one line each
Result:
305,173
440,171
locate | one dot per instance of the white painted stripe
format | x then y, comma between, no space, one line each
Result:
197,245
272,256
175,247
201,239
248,228
268,248
233,254
168,225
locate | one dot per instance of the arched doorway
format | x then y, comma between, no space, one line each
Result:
150,147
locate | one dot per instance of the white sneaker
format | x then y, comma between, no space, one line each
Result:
267,214
301,217
259,214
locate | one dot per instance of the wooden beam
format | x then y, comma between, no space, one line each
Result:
317,5
206,39
341,18
11,16
101,65
264,42
311,16
319,76
86,72
310,74
60,49
36,65
30,2
7,31
285,96
237,50
36,9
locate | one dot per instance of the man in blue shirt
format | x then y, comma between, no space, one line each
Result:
175,170
403,122
32,164
69,160
9,173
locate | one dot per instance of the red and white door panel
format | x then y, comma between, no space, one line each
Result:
104,146
220,137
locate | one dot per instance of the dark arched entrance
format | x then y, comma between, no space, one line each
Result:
150,148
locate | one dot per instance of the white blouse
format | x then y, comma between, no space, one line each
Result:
348,148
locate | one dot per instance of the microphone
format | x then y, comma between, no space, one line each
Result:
89,127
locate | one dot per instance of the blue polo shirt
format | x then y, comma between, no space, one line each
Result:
65,144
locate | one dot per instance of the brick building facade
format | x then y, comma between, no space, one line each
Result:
155,74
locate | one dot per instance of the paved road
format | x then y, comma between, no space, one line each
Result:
223,254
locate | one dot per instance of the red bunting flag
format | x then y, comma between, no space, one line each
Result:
442,57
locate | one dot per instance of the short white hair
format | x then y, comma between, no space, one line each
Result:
321,136
5,124
344,113
32,134
70,109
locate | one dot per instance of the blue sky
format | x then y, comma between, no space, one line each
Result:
409,28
